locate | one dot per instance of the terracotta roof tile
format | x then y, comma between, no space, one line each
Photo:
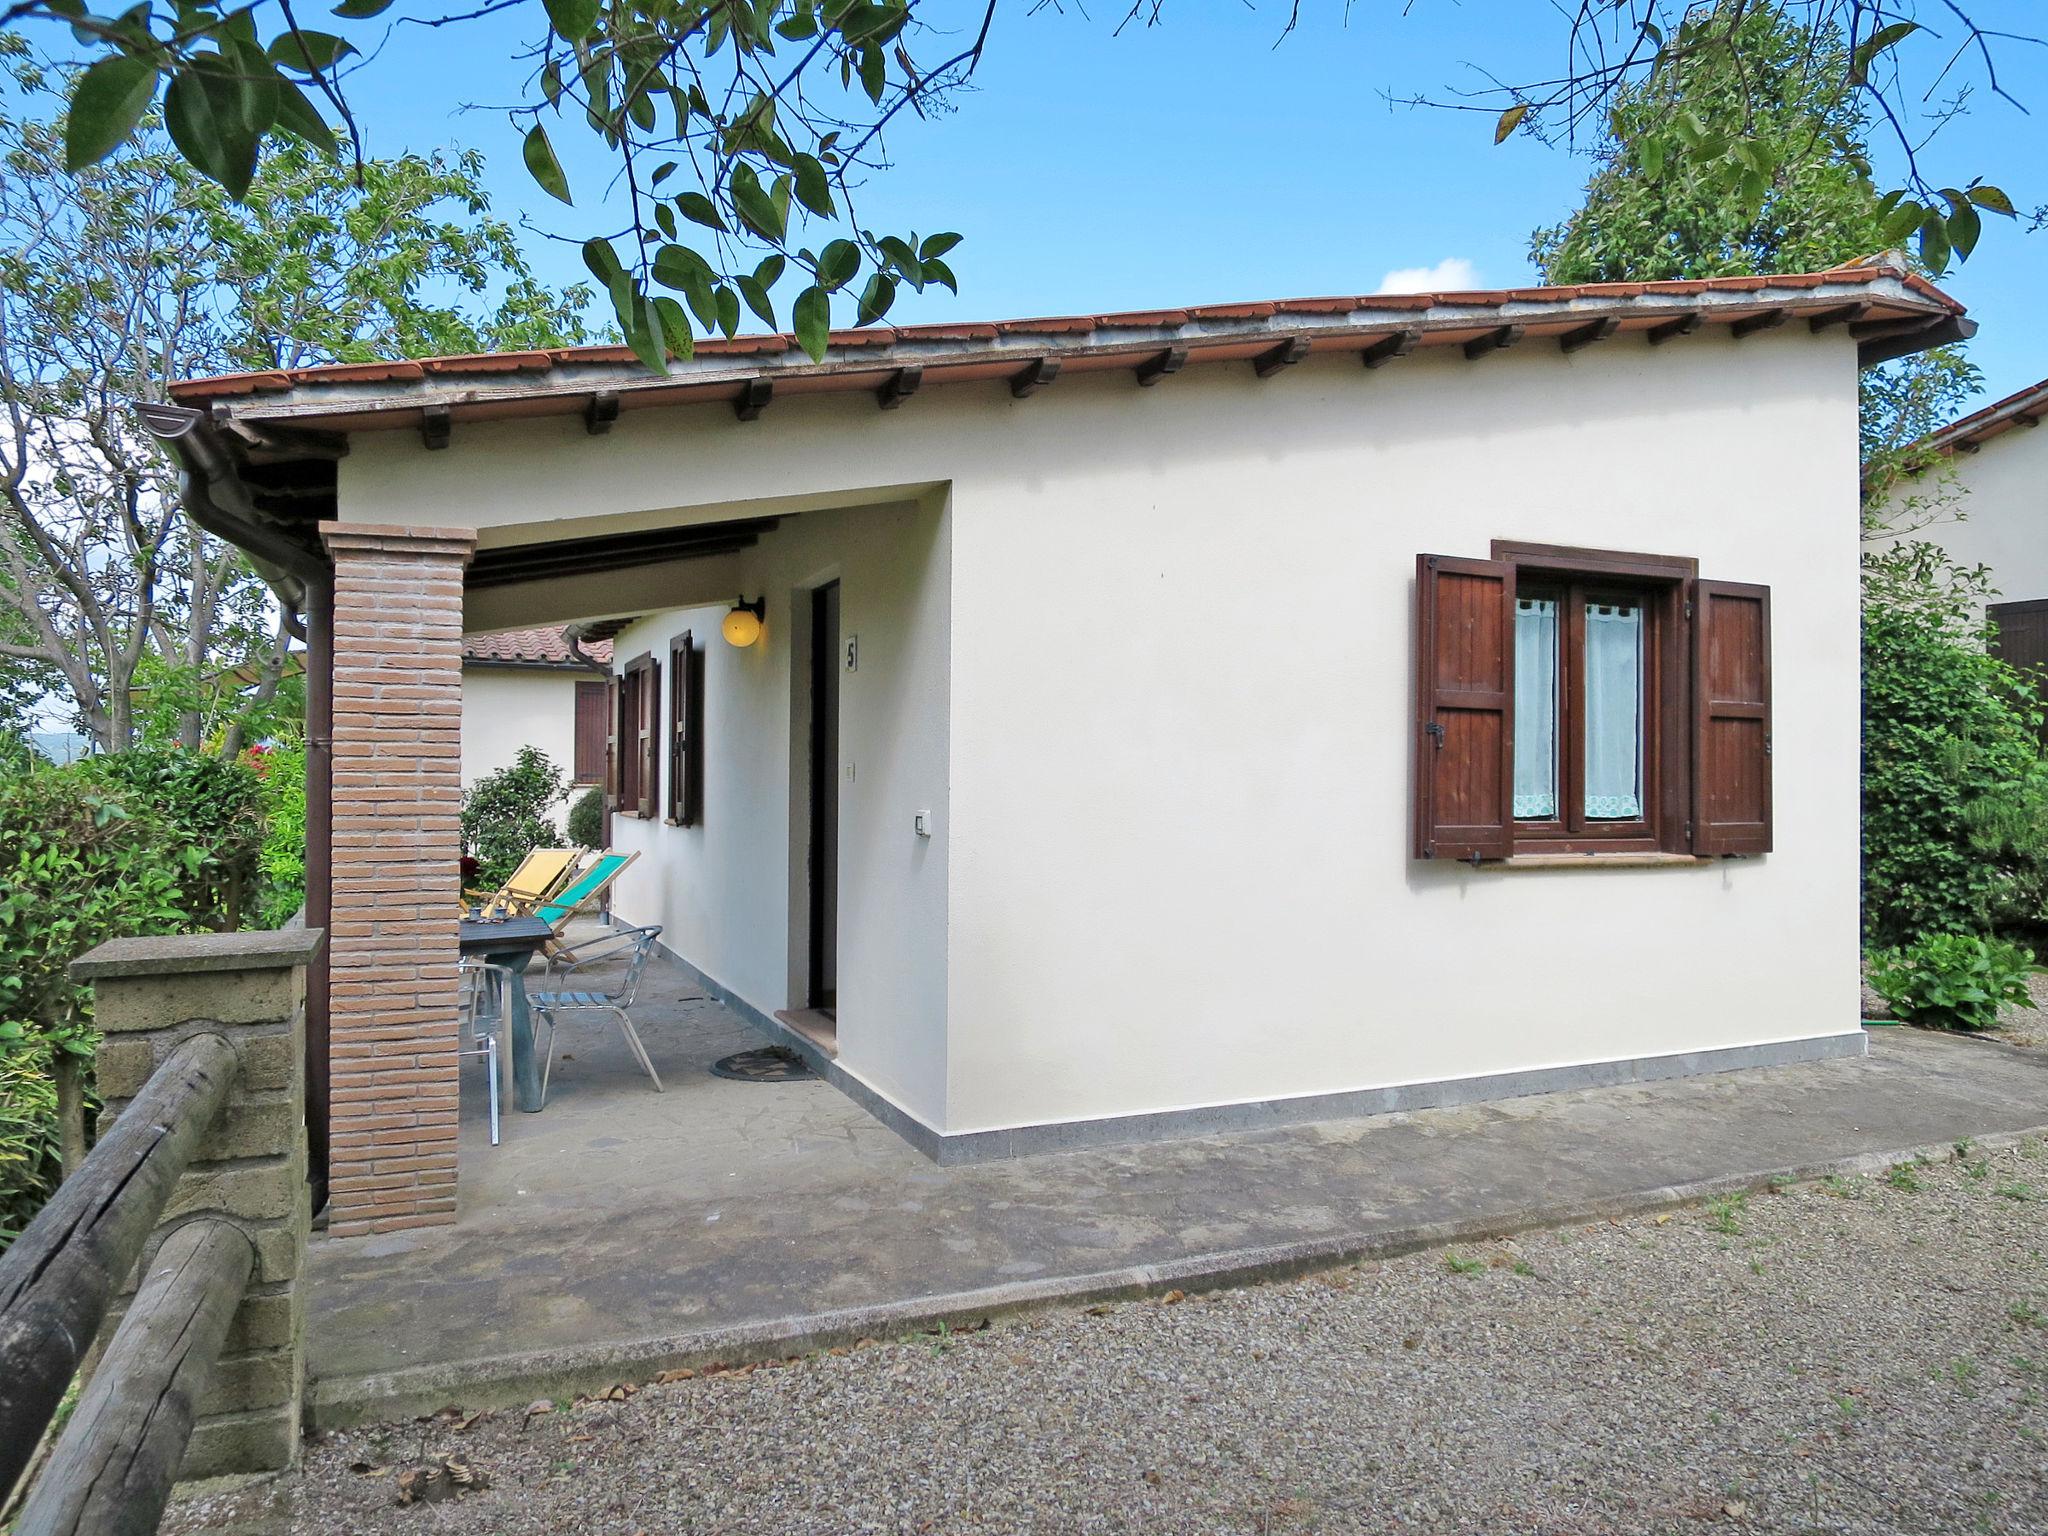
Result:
881,338
531,647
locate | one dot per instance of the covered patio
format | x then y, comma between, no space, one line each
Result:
622,1232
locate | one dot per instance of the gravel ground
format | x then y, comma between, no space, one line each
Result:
2016,1026
1857,1356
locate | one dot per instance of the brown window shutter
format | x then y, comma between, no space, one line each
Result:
592,709
1731,736
648,725
1464,701
686,731
615,697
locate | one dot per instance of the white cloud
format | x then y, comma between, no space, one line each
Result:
1452,273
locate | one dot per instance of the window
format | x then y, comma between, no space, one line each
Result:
635,767
593,708
686,731
2022,640
1580,702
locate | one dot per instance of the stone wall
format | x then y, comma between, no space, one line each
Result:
150,994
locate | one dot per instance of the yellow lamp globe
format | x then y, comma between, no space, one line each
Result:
742,626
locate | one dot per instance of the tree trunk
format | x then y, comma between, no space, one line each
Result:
68,1072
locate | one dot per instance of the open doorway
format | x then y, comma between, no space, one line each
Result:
821,984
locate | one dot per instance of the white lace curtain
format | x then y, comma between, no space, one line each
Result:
1536,708
1614,711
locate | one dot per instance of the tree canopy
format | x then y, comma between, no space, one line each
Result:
135,269
741,131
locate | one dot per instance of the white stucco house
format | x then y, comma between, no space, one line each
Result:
1984,500
534,688
1146,723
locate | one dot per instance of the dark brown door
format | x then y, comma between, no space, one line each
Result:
2023,641
824,987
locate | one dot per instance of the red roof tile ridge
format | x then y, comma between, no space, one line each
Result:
1870,268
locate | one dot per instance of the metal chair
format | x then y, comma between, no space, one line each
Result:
483,1002
635,943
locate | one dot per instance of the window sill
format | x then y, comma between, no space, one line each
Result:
1597,861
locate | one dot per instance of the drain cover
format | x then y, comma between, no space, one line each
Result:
769,1064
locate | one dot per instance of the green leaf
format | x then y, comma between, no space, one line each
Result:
309,52
680,268
675,327
813,189
1992,200
811,316
602,261
362,10
1509,121
203,113
642,329
1964,226
769,273
874,72
572,19
936,271
109,102
542,165
699,209
876,298
1878,41
756,295
1650,156
753,204
1902,221
297,115
1934,247
837,264
728,310
937,245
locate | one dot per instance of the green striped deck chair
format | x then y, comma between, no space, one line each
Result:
583,890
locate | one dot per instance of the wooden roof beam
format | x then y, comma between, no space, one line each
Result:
1684,325
436,426
1387,348
1841,314
601,412
1286,355
1580,337
1158,366
1034,376
753,399
1496,340
901,386
1767,320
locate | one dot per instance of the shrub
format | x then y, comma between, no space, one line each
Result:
214,806
78,866
1952,980
505,814
1955,796
282,772
586,819
28,1138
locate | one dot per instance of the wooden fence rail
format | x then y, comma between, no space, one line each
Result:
61,1276
115,1464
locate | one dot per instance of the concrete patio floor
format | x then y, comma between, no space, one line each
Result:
621,1232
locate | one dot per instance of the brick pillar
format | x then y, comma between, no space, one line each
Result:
149,995
392,996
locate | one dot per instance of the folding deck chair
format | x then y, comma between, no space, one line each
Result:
540,874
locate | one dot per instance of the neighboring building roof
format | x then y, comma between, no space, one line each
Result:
2024,409
1888,308
531,648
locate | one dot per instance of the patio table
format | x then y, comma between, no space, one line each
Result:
511,943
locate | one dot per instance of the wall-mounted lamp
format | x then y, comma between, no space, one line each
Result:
742,626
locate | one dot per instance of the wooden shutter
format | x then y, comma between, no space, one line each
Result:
592,710
686,731
1464,703
2022,642
1731,734
615,702
647,725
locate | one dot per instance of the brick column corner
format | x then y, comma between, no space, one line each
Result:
393,996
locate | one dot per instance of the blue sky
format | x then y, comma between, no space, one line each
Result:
1197,161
